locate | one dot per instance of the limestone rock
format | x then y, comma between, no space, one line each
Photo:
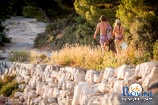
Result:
53,85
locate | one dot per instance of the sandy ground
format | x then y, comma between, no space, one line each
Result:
22,31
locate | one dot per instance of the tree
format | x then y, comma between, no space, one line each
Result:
91,10
140,21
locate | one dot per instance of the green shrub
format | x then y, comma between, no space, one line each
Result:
155,50
3,38
140,24
8,85
69,30
82,34
19,56
42,40
34,12
53,29
1,84
91,10
7,89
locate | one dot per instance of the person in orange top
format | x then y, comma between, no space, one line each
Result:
118,32
102,27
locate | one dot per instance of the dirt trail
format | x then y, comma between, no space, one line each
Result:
22,31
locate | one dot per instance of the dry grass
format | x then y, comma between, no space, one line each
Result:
37,58
28,56
86,57
91,58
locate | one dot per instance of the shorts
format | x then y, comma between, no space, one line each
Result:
103,39
119,38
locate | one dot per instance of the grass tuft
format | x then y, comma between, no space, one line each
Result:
94,58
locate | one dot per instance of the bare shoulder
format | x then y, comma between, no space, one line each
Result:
98,25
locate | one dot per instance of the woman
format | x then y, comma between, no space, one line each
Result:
118,32
102,27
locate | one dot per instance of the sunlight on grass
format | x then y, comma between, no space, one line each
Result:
92,58
85,57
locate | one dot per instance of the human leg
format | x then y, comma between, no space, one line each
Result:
117,44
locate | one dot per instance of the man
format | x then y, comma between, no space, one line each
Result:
102,27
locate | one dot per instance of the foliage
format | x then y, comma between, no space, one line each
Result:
155,50
9,88
52,31
28,56
69,30
140,22
19,56
3,38
8,85
91,10
33,12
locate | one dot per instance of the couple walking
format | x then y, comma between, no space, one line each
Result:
107,34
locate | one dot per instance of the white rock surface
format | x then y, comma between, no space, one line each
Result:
53,85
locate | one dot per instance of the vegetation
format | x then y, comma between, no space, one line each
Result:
84,56
155,50
69,30
94,58
73,22
19,56
140,20
34,12
8,85
3,38
91,10
25,56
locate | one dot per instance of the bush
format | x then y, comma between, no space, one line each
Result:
8,85
77,34
43,40
34,12
7,89
140,24
3,38
53,29
92,10
155,50
70,30
19,56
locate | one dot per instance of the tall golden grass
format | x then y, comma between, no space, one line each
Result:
92,58
85,57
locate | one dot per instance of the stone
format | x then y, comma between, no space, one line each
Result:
52,100
51,85
56,92
148,72
124,72
118,86
18,94
108,73
90,76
